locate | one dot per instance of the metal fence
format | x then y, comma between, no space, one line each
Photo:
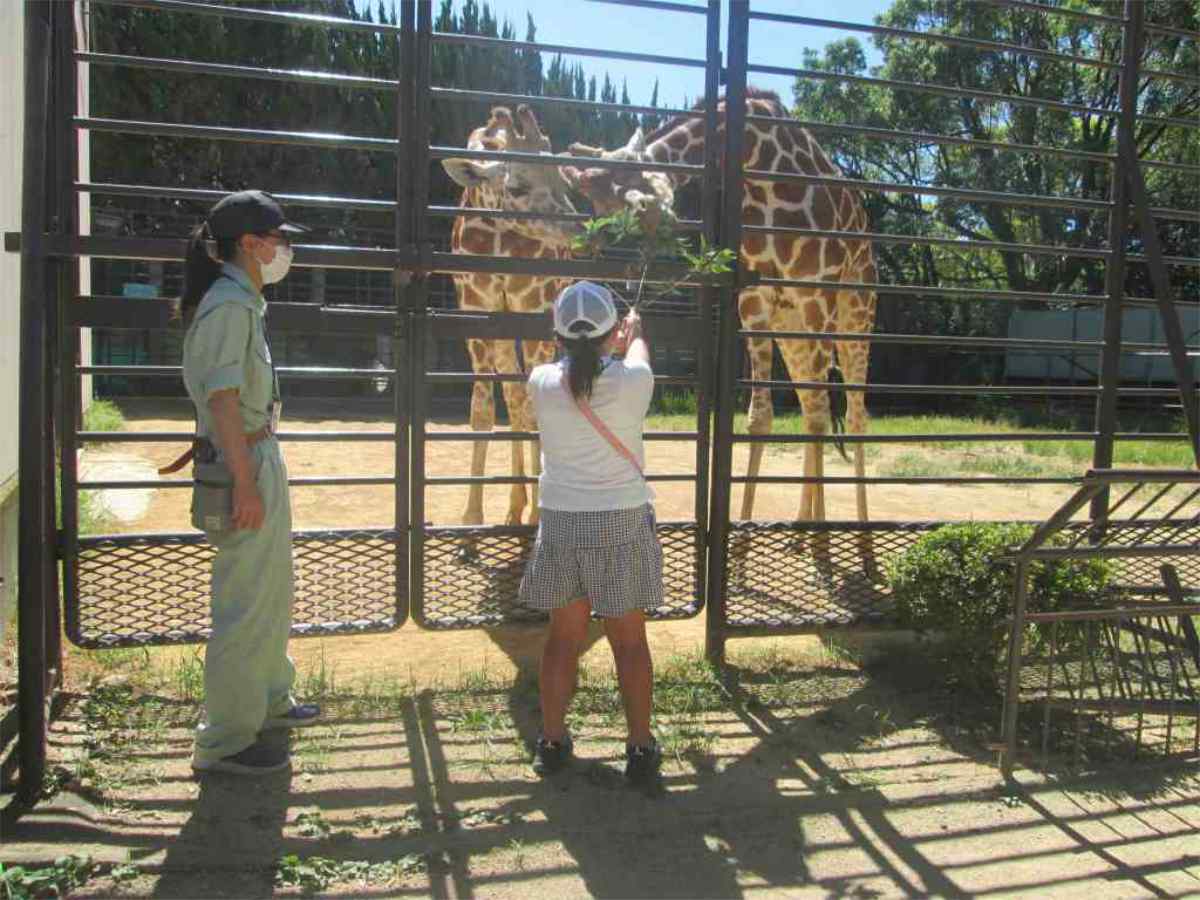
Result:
752,577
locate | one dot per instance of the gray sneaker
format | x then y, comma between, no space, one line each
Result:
257,759
301,715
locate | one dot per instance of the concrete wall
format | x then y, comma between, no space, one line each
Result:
11,136
1138,326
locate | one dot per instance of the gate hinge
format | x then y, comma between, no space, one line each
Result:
60,544
723,76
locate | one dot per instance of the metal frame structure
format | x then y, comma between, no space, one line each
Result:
411,566
764,578
1136,668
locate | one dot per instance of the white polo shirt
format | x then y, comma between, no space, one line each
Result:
581,471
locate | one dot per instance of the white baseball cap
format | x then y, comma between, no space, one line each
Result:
584,310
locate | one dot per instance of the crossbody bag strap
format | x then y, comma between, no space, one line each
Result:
602,429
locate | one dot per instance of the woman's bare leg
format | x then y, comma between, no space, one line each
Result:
635,672
560,665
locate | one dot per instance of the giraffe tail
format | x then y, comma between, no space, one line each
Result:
837,408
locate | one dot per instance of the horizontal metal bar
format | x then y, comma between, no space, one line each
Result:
1145,611
866,625
452,480
239,11
1179,215
534,435
1146,476
970,390
249,135
476,40
204,195
1190,124
954,243
187,66
925,290
446,325
979,437
1057,10
922,88
888,134
951,40
1169,31
913,480
462,95
1107,551
160,314
329,481
302,372
1032,200
472,377
453,212
945,339
437,151
1181,709
957,244
1165,164
171,437
656,4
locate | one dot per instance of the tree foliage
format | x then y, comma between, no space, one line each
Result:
1021,76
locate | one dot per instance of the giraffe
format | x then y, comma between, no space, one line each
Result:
515,187
765,307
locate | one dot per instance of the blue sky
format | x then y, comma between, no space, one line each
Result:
611,27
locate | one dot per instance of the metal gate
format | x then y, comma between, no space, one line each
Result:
754,577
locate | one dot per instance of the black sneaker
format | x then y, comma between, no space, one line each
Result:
551,756
642,763
257,759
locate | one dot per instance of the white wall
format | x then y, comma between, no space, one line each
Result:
11,136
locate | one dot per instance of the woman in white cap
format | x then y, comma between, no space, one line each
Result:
240,495
597,550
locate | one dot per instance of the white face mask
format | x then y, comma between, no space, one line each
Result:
277,268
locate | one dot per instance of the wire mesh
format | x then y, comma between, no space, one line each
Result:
143,590
472,576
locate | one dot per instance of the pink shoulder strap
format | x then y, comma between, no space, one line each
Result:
602,429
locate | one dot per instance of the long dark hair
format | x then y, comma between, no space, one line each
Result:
200,270
583,358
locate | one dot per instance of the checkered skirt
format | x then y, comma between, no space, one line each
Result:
612,557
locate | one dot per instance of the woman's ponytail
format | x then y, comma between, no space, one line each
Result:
583,355
200,269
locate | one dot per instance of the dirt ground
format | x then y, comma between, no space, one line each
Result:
817,769
799,777
437,655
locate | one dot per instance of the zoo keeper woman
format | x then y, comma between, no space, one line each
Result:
597,550
240,496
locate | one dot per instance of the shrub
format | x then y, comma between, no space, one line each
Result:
951,583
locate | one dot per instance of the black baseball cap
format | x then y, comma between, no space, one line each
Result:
249,212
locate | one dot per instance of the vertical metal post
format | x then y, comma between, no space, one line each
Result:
36,446
1012,694
710,213
727,335
419,291
1114,272
401,380
1135,13
65,169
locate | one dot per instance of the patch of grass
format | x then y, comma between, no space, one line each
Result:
103,415
57,880
317,873
687,738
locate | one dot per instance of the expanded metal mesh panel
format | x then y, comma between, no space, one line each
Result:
1114,689
800,575
154,589
472,576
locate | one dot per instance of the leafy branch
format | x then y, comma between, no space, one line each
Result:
623,231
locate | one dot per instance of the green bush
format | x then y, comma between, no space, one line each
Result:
950,583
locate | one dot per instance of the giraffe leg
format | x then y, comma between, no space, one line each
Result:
483,418
856,315
753,308
516,398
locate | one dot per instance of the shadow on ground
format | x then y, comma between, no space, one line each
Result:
782,777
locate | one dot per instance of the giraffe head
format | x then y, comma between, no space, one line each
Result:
516,186
649,195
